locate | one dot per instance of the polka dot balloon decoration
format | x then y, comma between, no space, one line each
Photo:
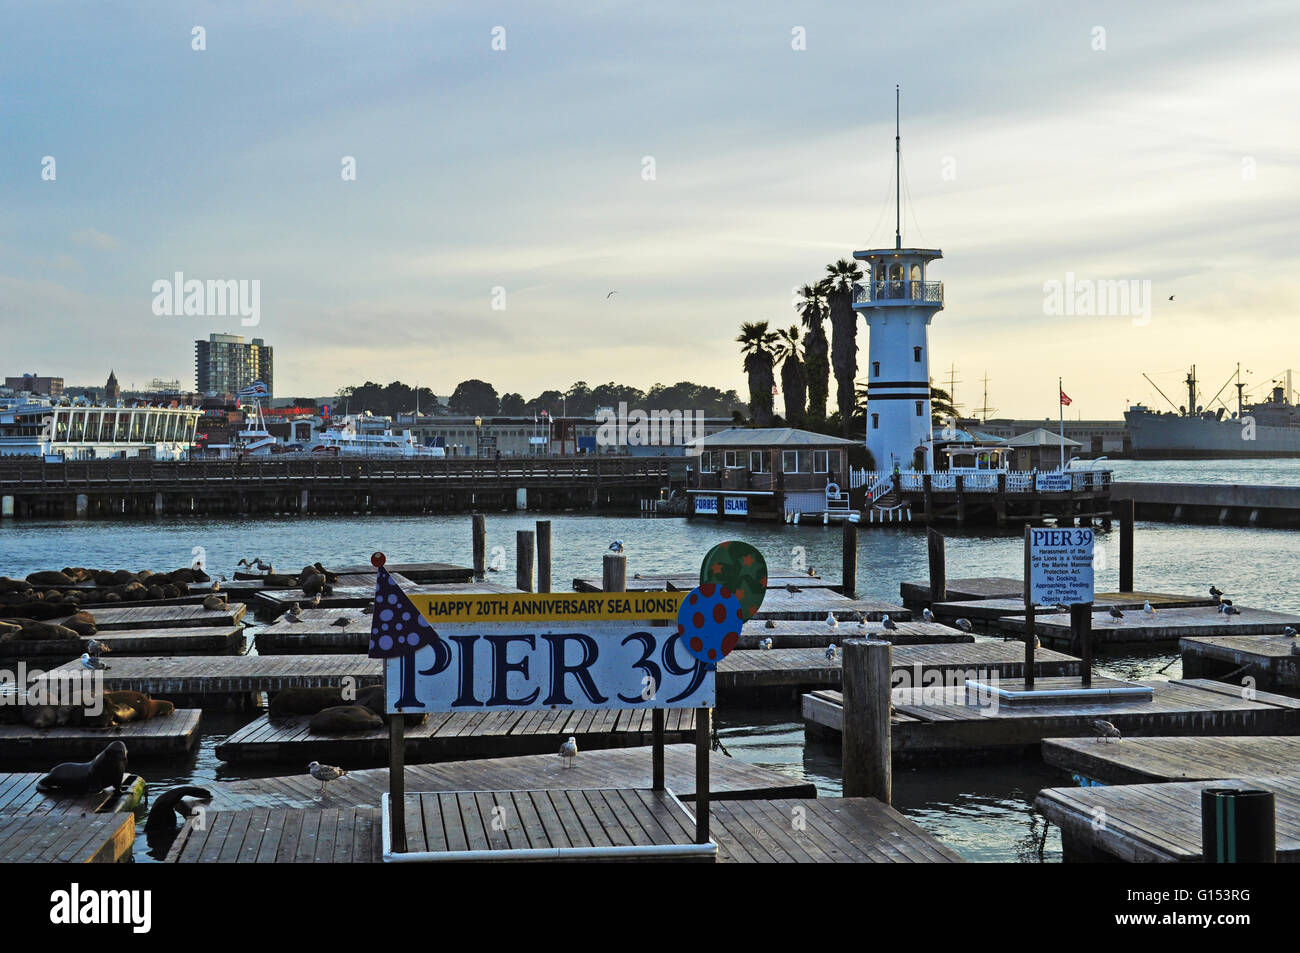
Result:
709,622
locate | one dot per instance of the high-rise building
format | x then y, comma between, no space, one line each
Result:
32,384
224,364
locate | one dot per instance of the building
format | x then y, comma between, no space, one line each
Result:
59,431
112,389
1097,437
225,364
32,384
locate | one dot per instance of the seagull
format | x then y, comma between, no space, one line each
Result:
256,563
831,621
792,588
294,614
1104,729
889,623
1146,607
963,624
610,295
616,546
342,622
315,601
765,644
1230,610
325,773
1115,614
830,652
1171,297
927,615
1289,632
770,624
636,575
216,584
1037,643
569,751
92,664
96,648
1215,591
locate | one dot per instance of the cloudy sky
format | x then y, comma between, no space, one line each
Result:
1153,142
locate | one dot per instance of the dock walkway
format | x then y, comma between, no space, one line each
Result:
163,617
165,736
1164,627
18,795
1273,661
186,640
66,838
1153,760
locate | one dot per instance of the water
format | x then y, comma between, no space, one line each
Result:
985,812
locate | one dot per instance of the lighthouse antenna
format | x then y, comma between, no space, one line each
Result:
898,194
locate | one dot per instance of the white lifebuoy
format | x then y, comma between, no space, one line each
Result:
832,489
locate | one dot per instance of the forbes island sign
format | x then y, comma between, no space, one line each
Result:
566,651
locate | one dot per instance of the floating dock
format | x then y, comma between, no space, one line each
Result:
457,735
916,595
1154,760
1163,627
1156,823
280,836
66,838
686,581
162,617
941,732
1271,660
986,614
813,605
18,795
810,635
188,640
271,603
162,737
317,633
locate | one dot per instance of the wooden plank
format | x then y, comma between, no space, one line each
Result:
187,640
1164,626
1161,759
685,581
162,617
164,736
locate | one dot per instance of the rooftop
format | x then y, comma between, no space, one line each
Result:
770,437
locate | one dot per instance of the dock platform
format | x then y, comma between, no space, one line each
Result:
686,581
163,617
187,640
265,835
66,838
161,737
1271,660
813,605
1155,760
1166,626
317,633
446,737
271,603
916,595
18,795
930,732
812,635
1156,823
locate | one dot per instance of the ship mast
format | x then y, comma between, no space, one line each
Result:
1191,391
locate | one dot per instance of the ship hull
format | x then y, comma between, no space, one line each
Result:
1176,436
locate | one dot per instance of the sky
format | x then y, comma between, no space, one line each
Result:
700,162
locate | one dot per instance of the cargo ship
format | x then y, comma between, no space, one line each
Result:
1268,428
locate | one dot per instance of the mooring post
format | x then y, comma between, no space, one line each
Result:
480,546
866,735
613,576
1081,637
1030,635
543,555
849,565
938,571
703,739
397,779
524,559
1126,512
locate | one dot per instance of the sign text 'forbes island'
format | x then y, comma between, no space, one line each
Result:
549,651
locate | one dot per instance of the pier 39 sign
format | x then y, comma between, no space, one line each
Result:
548,651
1058,565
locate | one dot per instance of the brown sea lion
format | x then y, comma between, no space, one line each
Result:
304,701
34,630
83,623
169,804
13,585
372,697
37,610
49,578
136,706
343,718
83,777
277,581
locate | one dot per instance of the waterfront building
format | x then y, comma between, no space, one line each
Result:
64,430
226,364
36,385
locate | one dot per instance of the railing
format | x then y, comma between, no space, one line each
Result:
1017,481
927,291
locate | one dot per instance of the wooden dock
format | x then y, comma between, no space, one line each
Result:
220,677
446,737
613,767
422,574
811,635
1154,760
916,595
18,795
813,605
1271,660
280,836
163,617
66,838
1156,823
1164,627
686,581
747,670
188,640
930,732
317,633
162,737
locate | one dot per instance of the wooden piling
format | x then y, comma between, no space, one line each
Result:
1081,638
867,733
543,555
703,741
849,565
524,559
614,573
397,780
1030,635
480,546
938,571
1125,508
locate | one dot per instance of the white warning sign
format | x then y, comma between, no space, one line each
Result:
1058,565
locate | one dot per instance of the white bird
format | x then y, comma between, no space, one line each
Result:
927,615
91,663
1289,632
765,644
616,546
830,652
963,624
569,751
1104,729
889,623
831,621
1146,607
325,773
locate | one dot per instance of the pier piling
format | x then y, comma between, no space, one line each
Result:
614,573
1081,638
849,568
1238,826
480,546
1125,508
866,738
524,560
938,572
543,555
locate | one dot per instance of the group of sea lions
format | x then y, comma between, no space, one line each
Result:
49,594
117,708
333,714
19,628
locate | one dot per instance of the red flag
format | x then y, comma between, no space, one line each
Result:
1065,399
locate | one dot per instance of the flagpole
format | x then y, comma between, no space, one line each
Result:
1060,406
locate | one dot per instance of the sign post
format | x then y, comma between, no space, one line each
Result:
1058,572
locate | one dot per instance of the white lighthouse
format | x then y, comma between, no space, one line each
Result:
898,302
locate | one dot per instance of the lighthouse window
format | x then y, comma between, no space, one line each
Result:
875,368
875,421
916,354
918,408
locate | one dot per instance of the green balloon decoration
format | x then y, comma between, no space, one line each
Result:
739,567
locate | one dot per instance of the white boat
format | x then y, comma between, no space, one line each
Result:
363,435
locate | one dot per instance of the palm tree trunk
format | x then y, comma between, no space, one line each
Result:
818,370
844,350
795,390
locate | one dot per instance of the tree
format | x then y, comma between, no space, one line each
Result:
838,285
756,343
941,407
512,405
794,383
474,397
812,310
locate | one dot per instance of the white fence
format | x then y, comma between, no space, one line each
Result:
1017,481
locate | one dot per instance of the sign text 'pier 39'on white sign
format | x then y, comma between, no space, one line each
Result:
1058,565
554,651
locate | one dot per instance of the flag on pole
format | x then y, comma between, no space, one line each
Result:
1065,399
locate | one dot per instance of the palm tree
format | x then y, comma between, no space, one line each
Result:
838,285
817,369
756,343
941,406
794,381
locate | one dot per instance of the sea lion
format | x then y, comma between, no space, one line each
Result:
372,697
344,718
169,804
38,609
34,630
83,777
154,592
136,706
14,585
82,623
49,578
313,583
304,701
276,581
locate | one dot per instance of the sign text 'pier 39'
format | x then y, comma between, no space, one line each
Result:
554,651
